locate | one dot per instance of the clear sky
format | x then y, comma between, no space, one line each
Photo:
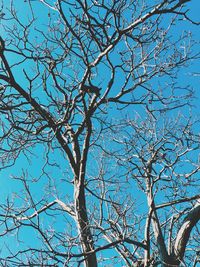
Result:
8,185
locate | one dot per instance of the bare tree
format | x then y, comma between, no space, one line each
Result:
158,158
104,175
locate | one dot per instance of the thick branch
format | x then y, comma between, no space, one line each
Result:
46,207
178,201
184,232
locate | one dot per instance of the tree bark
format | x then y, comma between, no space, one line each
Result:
182,238
86,237
83,226
154,217
184,232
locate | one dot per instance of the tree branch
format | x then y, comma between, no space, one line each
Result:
184,232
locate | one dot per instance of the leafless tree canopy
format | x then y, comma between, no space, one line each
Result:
99,141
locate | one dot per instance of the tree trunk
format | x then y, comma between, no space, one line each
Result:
83,226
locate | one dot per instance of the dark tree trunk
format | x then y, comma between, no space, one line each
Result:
83,227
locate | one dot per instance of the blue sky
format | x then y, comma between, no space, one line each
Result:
9,185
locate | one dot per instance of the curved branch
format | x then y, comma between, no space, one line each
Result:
183,234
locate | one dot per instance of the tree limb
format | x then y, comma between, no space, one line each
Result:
183,234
